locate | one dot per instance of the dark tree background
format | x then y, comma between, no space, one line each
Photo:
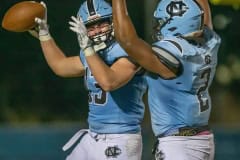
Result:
29,90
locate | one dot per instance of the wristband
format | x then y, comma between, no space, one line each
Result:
45,37
89,51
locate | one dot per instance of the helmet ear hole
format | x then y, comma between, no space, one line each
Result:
178,17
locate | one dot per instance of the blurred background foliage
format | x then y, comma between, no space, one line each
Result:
29,90
31,93
225,88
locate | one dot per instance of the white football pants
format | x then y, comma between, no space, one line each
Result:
199,147
93,146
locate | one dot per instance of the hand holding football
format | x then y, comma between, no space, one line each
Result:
20,17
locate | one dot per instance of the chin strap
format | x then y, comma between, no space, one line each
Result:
100,46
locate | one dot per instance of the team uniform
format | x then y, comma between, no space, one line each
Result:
114,117
180,107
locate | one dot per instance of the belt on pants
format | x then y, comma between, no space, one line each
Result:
187,131
183,131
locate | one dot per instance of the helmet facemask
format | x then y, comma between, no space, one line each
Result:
100,31
97,17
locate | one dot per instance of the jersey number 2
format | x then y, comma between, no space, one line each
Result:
204,104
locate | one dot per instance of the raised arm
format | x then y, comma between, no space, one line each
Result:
108,77
111,77
138,49
60,64
207,13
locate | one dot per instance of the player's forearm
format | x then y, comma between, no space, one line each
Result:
125,32
101,72
59,63
107,78
124,29
135,47
207,13
126,35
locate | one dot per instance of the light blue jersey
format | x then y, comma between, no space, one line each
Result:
118,111
184,101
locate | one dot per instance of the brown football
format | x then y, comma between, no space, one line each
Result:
20,17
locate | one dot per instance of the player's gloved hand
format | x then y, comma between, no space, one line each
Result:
41,31
85,43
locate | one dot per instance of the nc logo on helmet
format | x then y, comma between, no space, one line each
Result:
176,8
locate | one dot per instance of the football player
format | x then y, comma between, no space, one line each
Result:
181,63
115,85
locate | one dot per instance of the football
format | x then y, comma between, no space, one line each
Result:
20,17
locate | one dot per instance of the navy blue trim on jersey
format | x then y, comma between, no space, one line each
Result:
176,68
91,8
176,44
